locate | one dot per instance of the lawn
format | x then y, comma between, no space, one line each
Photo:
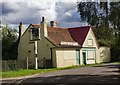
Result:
16,73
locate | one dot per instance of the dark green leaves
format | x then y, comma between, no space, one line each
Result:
9,43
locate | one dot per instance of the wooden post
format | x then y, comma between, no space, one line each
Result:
27,62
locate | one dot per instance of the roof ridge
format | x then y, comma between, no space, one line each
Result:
79,27
35,24
57,27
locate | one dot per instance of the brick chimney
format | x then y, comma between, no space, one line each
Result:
53,23
44,27
21,29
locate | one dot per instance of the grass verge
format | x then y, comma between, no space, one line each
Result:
17,73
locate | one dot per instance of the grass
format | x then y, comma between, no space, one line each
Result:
115,62
17,73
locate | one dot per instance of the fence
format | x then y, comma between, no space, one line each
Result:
12,64
8,65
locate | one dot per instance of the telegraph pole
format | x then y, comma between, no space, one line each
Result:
36,63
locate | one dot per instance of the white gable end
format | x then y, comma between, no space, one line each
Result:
90,43
90,40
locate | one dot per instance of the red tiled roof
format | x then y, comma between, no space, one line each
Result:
58,35
79,33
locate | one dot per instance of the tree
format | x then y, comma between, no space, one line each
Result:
96,14
88,12
105,21
9,43
114,16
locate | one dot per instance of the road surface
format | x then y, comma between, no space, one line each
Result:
105,73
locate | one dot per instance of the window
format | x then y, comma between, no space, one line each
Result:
35,33
91,55
90,42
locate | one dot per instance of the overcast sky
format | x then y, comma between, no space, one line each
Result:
64,12
31,11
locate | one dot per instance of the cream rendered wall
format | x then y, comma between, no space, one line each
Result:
94,45
44,45
59,57
31,54
44,50
23,50
65,57
54,62
26,49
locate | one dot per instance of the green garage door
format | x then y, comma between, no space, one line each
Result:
77,56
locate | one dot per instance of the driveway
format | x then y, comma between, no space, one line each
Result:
105,73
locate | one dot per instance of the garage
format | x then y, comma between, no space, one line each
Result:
88,55
65,57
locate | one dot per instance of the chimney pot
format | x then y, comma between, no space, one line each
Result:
53,23
44,27
21,23
21,29
43,19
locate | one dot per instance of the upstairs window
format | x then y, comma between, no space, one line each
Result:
35,33
90,42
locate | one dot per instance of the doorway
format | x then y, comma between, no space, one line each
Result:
84,57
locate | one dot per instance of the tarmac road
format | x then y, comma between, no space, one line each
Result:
105,73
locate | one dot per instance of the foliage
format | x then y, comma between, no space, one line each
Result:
101,17
114,16
105,22
115,51
9,43
105,36
87,11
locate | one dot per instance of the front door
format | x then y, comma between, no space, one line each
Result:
77,56
84,57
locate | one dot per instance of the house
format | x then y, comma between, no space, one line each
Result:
51,46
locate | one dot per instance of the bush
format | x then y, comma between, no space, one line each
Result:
115,54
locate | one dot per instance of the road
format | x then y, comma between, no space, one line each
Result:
105,73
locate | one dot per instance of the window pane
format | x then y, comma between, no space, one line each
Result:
34,33
91,54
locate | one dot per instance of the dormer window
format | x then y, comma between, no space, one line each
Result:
35,33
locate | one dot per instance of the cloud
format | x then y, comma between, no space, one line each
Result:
6,8
30,11
67,14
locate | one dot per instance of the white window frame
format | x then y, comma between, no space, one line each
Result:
31,34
